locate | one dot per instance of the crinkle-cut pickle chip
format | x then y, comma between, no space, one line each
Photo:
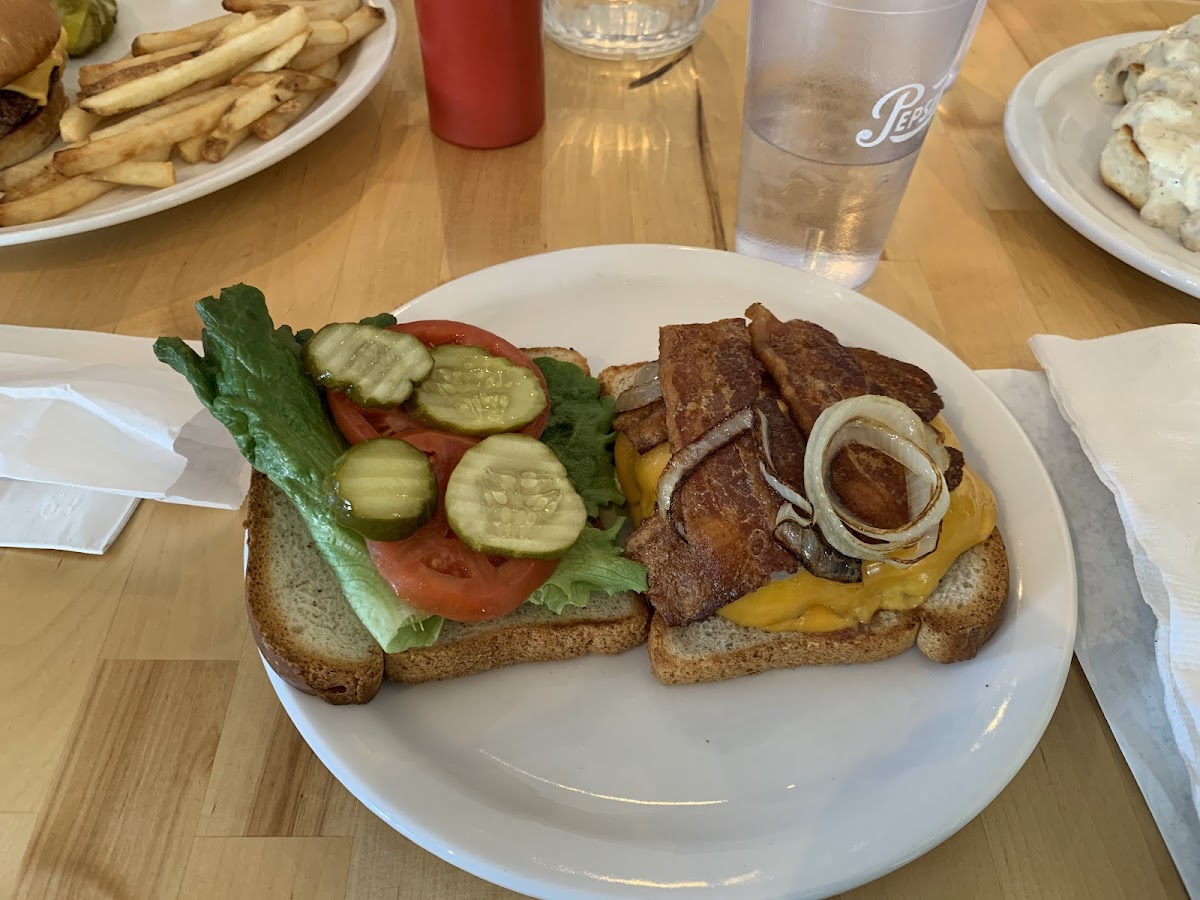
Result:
510,496
374,366
472,392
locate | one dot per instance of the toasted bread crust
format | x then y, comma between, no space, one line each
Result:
562,354
954,633
290,655
572,635
761,650
951,626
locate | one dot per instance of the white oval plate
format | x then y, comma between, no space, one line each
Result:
1055,129
362,68
589,778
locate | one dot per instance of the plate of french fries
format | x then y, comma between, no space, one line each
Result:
188,97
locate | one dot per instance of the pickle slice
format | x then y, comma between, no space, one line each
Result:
510,496
374,366
470,391
384,489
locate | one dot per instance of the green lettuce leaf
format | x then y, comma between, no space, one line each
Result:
594,563
252,380
580,432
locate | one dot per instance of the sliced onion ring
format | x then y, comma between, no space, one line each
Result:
892,428
638,396
787,513
646,374
785,490
764,438
683,463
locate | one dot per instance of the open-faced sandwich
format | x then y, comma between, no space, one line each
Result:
426,497
799,502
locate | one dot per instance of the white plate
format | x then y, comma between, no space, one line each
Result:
589,778
1055,129
362,67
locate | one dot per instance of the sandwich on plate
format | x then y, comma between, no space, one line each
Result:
799,502
426,500
33,54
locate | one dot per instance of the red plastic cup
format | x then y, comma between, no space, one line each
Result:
483,70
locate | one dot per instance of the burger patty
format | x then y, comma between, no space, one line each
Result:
17,109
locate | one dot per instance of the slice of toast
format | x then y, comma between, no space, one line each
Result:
311,637
607,625
301,620
951,626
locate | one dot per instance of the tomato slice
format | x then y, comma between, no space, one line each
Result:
441,576
436,572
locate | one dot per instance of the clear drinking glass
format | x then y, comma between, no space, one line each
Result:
839,96
615,28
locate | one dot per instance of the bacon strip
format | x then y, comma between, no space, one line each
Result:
708,373
813,371
646,427
901,381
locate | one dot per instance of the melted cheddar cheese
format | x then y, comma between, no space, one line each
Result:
36,84
804,602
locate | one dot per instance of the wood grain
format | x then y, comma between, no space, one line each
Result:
15,831
121,816
272,868
142,751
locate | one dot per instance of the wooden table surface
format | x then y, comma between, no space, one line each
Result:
142,751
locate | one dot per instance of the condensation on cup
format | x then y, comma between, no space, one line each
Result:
839,97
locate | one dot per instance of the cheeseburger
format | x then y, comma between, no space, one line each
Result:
33,52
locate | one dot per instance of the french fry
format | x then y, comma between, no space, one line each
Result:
242,49
62,198
327,31
133,73
279,119
156,41
199,88
293,81
40,182
76,124
191,150
218,146
162,111
318,10
134,142
138,174
365,20
244,23
89,76
281,55
254,104
23,171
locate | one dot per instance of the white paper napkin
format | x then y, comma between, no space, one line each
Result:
1134,402
1115,641
84,413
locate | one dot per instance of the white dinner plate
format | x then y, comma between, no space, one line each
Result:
1055,129
362,67
589,778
